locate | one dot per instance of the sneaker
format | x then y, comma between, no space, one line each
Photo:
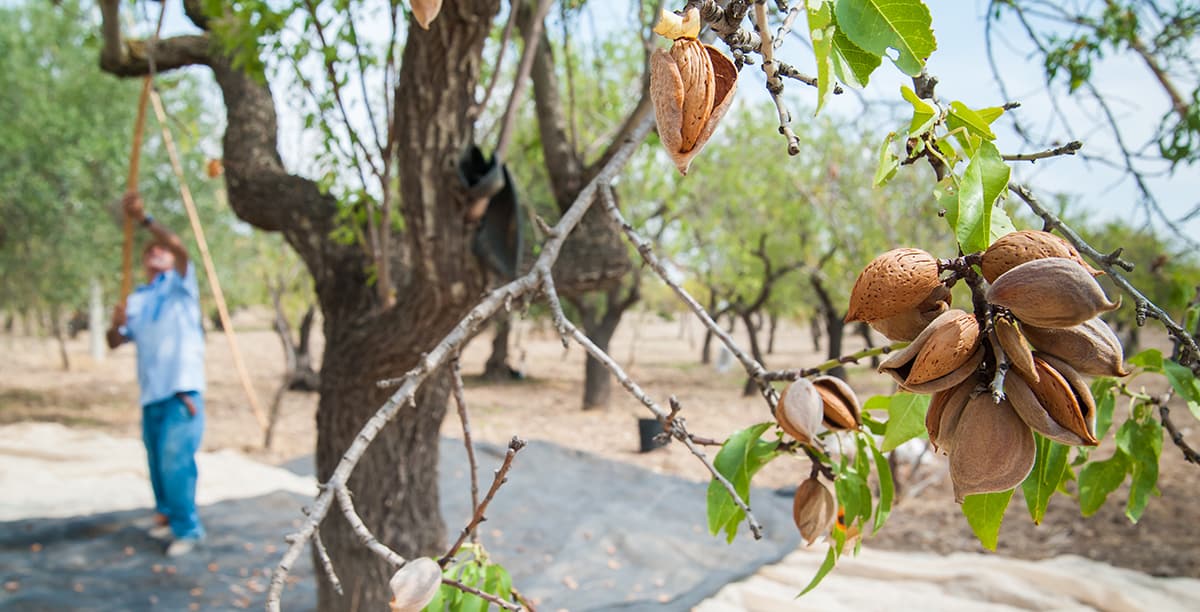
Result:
181,546
160,532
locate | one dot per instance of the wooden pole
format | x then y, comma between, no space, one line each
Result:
131,186
209,268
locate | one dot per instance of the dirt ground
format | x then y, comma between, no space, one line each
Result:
663,357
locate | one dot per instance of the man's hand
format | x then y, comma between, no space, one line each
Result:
132,203
114,336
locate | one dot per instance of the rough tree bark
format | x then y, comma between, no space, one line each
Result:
436,276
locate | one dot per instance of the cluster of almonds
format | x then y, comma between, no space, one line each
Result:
691,86
803,408
1041,321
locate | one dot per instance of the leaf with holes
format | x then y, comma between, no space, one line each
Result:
903,26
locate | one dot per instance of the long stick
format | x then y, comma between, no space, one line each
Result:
209,269
131,186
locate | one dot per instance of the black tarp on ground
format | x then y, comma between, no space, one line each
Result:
575,531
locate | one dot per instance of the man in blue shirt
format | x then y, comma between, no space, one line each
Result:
163,319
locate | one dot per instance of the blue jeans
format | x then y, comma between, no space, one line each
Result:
172,437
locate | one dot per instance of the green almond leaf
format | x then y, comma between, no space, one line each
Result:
826,566
1098,479
990,114
906,419
982,183
1185,384
821,30
1150,359
740,457
1103,392
1142,442
852,65
498,582
887,486
962,117
924,113
879,25
888,162
1048,470
985,513
1001,224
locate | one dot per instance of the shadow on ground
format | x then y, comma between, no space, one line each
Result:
576,531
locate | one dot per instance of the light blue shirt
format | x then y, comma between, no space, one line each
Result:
163,320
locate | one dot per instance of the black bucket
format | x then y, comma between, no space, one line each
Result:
648,430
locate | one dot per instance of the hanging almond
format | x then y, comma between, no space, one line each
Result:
945,409
1016,248
800,411
841,407
425,11
909,324
946,353
814,509
415,585
893,283
691,86
1091,347
993,448
1050,292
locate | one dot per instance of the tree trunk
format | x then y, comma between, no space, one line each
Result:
597,380
56,328
835,329
773,325
497,368
96,342
751,386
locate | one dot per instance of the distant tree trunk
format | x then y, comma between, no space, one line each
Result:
56,328
96,343
814,330
756,352
298,372
864,332
773,323
597,380
834,327
497,367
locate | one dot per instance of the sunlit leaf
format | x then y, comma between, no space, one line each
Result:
1048,470
888,162
887,487
1150,359
852,65
1142,442
1106,401
879,25
1185,384
826,566
960,116
906,419
821,31
985,178
985,513
1098,479
924,113
740,457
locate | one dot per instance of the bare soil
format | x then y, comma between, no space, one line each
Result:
663,356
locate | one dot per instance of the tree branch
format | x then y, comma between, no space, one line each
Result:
1143,307
465,419
1068,149
501,477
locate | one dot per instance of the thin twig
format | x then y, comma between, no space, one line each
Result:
773,375
1142,305
360,529
475,111
1189,454
461,403
1068,149
507,605
774,82
753,368
1002,365
509,122
501,477
450,345
678,431
327,563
